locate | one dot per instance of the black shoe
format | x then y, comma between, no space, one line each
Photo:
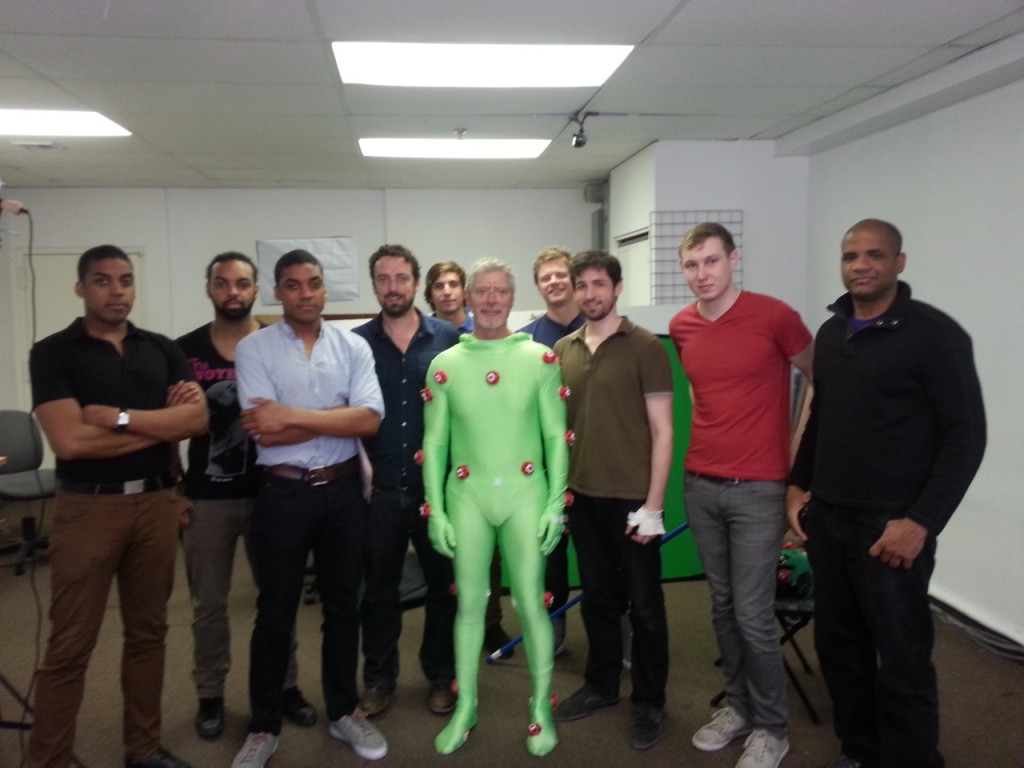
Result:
159,759
496,638
584,702
296,709
646,729
210,718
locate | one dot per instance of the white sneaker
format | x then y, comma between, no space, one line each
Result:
360,734
763,750
726,724
256,751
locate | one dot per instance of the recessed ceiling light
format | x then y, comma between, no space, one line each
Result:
442,65
55,122
455,149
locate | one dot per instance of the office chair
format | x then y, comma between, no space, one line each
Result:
21,479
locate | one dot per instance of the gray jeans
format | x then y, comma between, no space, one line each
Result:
738,527
209,543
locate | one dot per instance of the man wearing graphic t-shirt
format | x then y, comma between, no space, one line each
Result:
222,481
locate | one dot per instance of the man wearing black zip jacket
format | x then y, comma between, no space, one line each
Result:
895,436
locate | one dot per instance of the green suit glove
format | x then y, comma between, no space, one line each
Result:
441,533
549,532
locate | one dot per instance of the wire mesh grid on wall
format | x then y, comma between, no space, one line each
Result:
668,284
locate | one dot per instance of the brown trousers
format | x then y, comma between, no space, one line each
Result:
95,539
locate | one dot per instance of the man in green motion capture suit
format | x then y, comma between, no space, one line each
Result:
495,462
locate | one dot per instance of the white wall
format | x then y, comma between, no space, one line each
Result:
179,230
713,175
632,192
772,193
953,182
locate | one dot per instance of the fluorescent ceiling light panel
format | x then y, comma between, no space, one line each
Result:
442,65
455,149
54,122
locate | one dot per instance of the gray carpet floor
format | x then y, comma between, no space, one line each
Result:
982,695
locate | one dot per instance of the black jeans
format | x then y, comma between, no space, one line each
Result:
556,574
394,520
873,634
290,520
616,572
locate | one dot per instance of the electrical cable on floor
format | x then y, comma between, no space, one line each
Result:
993,641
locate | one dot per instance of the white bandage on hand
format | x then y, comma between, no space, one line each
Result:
648,522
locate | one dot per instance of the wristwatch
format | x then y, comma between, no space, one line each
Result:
123,420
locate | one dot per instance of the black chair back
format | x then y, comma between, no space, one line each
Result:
21,443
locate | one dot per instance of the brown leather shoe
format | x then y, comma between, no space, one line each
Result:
375,701
441,698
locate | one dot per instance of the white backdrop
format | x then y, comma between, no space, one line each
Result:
953,182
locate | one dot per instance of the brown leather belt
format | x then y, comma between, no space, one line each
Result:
315,475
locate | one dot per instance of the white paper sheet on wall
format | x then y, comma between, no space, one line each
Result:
336,254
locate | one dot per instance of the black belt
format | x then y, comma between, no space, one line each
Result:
315,475
716,479
127,488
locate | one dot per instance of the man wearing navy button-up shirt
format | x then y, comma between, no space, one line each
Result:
404,342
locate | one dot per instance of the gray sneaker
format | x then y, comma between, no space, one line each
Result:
256,751
763,750
726,724
360,734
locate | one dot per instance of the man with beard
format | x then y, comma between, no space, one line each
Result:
221,482
404,342
621,413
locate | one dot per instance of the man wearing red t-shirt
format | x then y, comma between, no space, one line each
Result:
737,349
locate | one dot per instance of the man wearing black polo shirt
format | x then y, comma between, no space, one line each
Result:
404,343
113,401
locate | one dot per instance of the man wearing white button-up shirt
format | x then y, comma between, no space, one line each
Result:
308,392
